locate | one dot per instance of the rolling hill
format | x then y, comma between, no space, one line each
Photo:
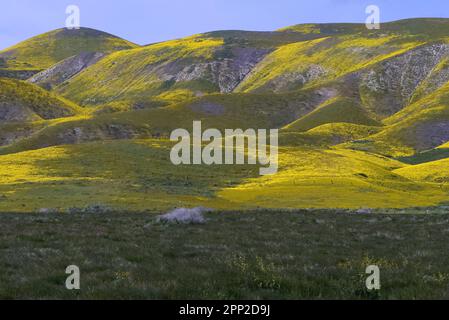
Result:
215,111
43,51
336,110
21,101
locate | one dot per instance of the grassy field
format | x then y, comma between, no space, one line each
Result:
137,175
235,255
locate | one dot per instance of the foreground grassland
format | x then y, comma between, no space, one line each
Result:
235,255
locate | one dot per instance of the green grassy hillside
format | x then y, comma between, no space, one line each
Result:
346,58
327,135
310,62
21,101
215,111
314,178
421,126
174,71
43,51
434,171
138,76
335,110
230,61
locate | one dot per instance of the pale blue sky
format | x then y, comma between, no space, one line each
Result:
147,21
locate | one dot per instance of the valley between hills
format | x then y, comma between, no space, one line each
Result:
363,116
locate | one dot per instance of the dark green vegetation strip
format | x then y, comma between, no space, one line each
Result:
234,255
427,156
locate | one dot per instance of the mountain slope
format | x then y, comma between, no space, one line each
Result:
65,69
216,62
164,72
305,63
421,126
21,101
43,51
360,64
335,110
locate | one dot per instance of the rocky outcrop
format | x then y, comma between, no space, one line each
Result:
292,80
437,78
226,73
65,69
390,85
